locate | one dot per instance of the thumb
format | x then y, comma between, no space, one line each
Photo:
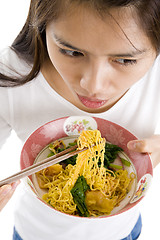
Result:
149,145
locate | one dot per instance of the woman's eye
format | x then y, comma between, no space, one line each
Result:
71,53
126,62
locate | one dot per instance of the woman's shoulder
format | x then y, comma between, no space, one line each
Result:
152,77
11,62
8,56
156,64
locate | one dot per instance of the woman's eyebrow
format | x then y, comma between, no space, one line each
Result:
131,54
65,44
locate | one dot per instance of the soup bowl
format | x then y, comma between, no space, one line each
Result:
35,149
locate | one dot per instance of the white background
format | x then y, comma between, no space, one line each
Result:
12,16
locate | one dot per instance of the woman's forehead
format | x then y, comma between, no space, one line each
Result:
84,27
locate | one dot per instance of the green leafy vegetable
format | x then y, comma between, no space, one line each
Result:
51,154
58,149
125,162
72,144
71,160
78,193
115,166
111,152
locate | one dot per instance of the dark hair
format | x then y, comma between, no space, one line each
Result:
30,44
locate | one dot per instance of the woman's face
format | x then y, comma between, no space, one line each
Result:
94,61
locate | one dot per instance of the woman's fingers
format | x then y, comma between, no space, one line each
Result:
149,145
6,193
4,190
5,196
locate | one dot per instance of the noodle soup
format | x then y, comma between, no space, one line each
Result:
108,189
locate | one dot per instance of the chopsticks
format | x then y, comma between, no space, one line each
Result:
47,162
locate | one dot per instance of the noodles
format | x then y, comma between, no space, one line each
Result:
99,189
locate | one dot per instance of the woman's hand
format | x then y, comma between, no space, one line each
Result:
6,193
150,145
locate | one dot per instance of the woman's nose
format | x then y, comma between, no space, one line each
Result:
95,78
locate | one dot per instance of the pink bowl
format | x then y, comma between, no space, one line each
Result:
69,126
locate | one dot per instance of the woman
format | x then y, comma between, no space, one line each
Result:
83,58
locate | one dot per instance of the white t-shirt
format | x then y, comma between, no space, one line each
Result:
27,107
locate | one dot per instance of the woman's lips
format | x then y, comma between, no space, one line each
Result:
91,103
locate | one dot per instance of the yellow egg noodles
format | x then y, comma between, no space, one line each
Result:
106,188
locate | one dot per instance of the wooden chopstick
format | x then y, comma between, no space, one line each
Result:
47,162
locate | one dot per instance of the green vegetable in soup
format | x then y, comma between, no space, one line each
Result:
111,152
78,193
125,162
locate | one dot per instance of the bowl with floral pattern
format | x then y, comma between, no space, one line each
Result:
71,127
